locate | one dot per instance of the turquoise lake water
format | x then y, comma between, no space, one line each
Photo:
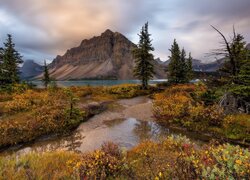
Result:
97,82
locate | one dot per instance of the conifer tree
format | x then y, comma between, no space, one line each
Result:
235,53
183,67
244,74
1,66
179,68
174,66
10,61
46,77
189,66
144,69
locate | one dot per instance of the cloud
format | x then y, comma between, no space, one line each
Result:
44,28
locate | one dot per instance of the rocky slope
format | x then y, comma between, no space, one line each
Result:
104,57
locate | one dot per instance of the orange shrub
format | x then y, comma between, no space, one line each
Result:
181,105
171,107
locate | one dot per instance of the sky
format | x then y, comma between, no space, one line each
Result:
42,29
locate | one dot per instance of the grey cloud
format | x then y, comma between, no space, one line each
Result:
45,28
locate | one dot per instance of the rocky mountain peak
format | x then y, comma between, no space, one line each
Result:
107,32
105,56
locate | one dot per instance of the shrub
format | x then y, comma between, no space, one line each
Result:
237,127
171,158
174,106
39,166
187,106
127,91
35,113
225,162
102,164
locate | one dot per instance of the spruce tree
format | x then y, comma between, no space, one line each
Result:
189,67
244,74
1,66
235,53
46,77
174,66
144,69
183,67
179,68
10,61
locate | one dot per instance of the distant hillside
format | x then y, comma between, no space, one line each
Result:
30,69
198,65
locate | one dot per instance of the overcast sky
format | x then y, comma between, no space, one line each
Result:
43,29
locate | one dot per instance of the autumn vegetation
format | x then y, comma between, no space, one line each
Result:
174,157
28,113
187,106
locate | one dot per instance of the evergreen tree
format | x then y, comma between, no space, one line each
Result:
46,78
10,61
179,68
183,67
235,53
189,66
244,74
174,66
144,69
1,66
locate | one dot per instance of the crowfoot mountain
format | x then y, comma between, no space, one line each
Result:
107,56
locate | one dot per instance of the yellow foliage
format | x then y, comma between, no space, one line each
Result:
172,158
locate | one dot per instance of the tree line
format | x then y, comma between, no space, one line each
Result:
236,67
179,69
10,61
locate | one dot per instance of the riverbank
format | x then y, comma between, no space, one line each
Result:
32,114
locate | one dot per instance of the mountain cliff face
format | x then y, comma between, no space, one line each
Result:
104,57
30,69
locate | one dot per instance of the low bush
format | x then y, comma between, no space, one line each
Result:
32,114
237,127
191,106
172,158
128,91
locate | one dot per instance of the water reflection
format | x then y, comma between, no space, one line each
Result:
125,132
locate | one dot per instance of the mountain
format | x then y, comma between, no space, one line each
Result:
207,67
198,65
107,56
30,69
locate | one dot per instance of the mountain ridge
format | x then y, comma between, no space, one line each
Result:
107,56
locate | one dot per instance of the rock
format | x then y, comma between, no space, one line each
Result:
30,69
107,56
234,104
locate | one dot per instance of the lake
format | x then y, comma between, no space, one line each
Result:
97,82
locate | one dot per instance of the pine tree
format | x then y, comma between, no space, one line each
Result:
144,69
46,77
10,61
